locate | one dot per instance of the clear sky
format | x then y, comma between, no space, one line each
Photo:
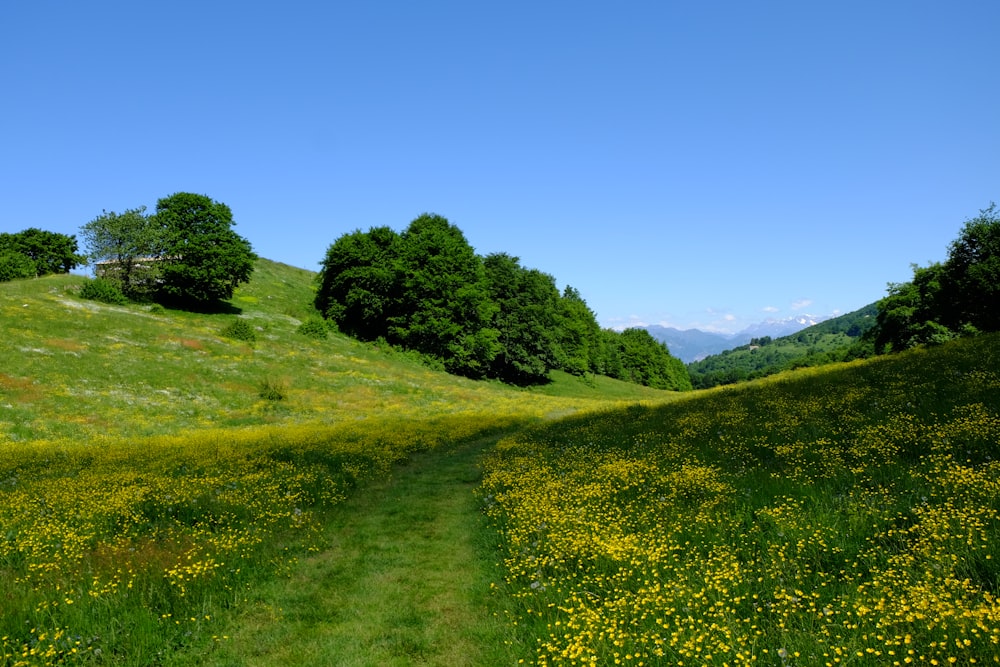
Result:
692,164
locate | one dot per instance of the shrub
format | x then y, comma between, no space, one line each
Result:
314,328
157,309
14,266
240,330
100,289
272,390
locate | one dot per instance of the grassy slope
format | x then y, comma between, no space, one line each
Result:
152,421
74,368
848,514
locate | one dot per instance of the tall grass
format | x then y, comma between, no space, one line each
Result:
77,369
829,517
147,479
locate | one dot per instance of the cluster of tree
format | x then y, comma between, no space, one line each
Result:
426,289
957,297
185,253
960,296
838,339
35,252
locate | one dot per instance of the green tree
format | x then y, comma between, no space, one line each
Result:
202,258
648,362
126,247
15,266
444,307
909,314
579,335
945,300
49,252
611,360
359,285
971,278
525,320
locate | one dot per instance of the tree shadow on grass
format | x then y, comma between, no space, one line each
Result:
202,307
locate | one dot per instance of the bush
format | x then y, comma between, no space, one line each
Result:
314,328
240,330
14,266
271,390
105,291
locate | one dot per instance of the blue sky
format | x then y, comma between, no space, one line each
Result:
692,164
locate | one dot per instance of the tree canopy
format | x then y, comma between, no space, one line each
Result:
427,290
527,302
126,248
947,299
360,285
444,307
186,252
15,266
204,260
646,361
37,252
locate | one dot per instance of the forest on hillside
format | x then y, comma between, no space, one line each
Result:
946,300
833,340
427,290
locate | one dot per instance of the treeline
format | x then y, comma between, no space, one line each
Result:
35,252
944,301
427,290
957,297
837,339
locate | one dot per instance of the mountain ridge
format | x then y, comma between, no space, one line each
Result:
691,345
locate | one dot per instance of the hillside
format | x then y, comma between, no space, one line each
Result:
78,368
691,345
158,507
156,473
825,342
842,515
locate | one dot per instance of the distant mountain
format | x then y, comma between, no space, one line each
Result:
694,344
777,328
691,344
834,339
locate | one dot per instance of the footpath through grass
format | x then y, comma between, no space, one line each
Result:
406,580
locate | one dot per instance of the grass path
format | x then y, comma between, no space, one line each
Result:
405,581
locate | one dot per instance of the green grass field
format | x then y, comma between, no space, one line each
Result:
150,484
75,369
158,507
848,515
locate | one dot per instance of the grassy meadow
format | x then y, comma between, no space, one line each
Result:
843,516
149,482
169,495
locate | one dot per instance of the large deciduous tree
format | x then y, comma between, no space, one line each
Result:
126,248
47,252
444,308
427,290
971,280
580,338
648,362
202,259
911,312
944,300
358,286
525,319
15,266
